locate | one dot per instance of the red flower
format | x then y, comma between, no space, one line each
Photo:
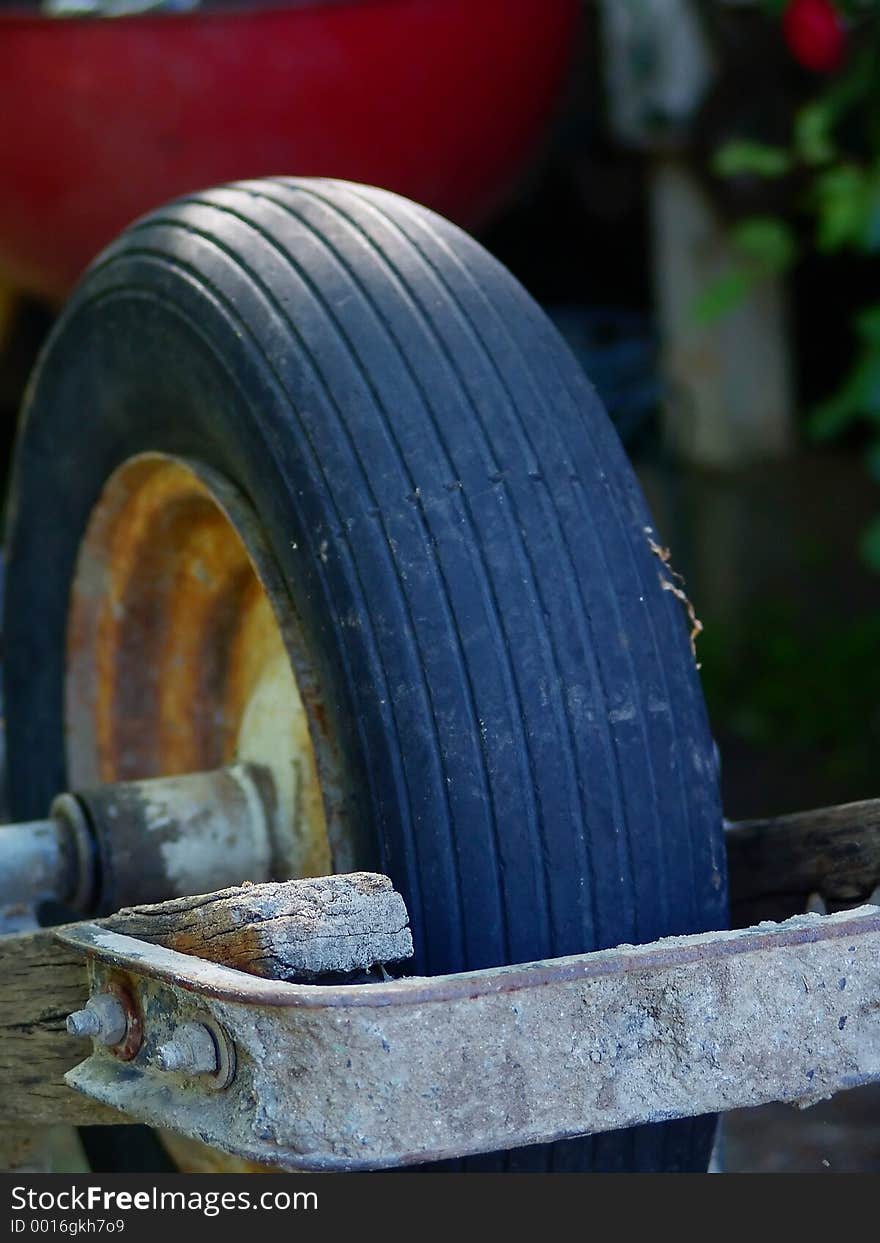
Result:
815,34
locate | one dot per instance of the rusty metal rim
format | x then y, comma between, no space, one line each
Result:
226,984
310,836
177,614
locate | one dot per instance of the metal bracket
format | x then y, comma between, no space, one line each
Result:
364,1076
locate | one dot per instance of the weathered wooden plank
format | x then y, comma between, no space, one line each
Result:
41,982
776,863
292,931
41,1150
25,1150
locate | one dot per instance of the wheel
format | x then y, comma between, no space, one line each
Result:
323,396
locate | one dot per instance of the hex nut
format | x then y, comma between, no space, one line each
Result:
103,1018
191,1050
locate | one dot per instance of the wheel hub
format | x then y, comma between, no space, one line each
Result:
181,646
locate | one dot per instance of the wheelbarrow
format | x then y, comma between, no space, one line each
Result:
327,573
105,117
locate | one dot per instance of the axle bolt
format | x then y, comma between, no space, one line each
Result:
191,1051
103,1018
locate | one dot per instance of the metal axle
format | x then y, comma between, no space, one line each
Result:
137,842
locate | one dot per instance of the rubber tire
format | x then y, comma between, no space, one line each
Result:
524,736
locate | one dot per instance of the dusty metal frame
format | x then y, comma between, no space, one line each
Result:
333,1076
387,1074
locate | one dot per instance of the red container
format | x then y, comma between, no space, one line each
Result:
101,119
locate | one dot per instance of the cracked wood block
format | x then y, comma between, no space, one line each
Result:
295,930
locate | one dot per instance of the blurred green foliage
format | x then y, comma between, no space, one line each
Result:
810,690
832,164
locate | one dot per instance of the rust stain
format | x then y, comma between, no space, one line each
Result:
126,995
173,626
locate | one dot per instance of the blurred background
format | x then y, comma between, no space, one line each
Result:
691,189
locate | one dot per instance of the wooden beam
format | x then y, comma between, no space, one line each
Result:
774,864
297,930
41,982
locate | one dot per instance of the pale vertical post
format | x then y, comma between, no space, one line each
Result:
729,383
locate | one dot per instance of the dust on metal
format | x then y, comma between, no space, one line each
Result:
139,841
365,1076
102,1019
168,836
190,1050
